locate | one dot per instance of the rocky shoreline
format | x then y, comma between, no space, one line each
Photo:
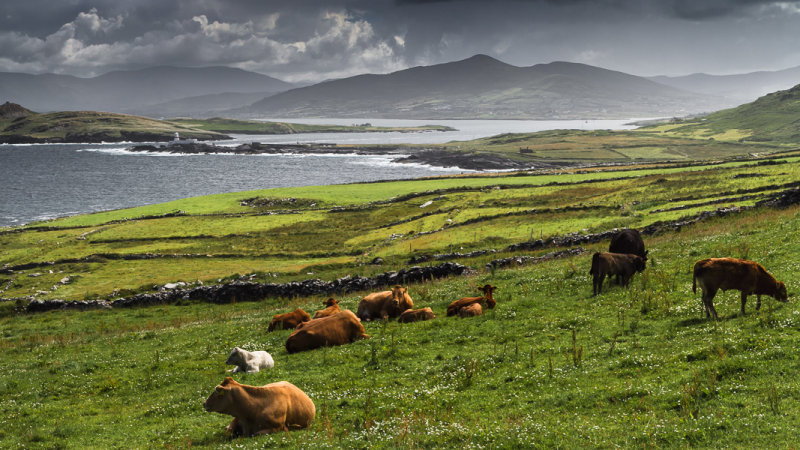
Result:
432,156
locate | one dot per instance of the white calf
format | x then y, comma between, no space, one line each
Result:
249,361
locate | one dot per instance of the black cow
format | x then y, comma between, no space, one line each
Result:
627,241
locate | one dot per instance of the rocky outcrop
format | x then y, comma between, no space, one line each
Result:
10,110
430,156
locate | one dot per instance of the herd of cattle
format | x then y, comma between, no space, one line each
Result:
282,406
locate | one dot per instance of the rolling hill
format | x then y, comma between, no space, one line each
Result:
20,125
134,90
771,119
483,87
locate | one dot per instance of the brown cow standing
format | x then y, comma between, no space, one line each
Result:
332,307
338,329
471,310
622,264
453,308
386,304
288,321
416,315
279,406
730,273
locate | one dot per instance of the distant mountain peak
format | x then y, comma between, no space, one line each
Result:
482,59
10,110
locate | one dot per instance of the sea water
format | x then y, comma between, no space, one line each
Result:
44,181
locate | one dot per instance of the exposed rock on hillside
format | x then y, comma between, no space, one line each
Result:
10,110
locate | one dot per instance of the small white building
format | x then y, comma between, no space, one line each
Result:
177,140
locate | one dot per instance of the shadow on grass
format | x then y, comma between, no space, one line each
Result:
692,322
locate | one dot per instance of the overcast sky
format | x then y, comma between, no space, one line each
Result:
298,40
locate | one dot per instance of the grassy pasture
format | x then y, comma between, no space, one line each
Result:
645,144
551,366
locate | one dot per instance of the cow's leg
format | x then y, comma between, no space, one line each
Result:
273,424
598,283
744,300
758,302
234,428
710,304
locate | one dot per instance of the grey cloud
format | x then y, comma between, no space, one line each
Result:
317,39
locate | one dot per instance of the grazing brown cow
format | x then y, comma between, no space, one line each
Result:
288,321
730,273
452,308
386,304
338,329
416,315
332,307
257,410
622,264
471,310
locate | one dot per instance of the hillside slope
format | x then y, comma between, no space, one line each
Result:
483,87
773,119
21,126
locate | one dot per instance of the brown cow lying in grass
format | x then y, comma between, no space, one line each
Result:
416,315
730,273
332,307
385,305
471,310
453,308
279,406
338,329
288,321
622,264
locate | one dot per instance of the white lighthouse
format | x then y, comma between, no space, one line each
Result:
177,140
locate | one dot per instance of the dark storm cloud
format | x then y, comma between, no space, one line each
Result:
317,39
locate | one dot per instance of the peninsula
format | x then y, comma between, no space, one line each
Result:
19,125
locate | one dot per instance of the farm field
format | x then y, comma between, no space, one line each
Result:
550,366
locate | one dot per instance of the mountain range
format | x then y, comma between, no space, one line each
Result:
139,91
483,87
477,87
739,88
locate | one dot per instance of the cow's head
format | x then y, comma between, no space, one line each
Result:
330,302
781,294
639,263
234,357
400,298
221,400
487,293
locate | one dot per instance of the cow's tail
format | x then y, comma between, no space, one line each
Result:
695,273
595,262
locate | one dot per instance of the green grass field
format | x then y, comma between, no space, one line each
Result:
551,366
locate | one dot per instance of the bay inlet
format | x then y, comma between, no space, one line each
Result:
45,181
